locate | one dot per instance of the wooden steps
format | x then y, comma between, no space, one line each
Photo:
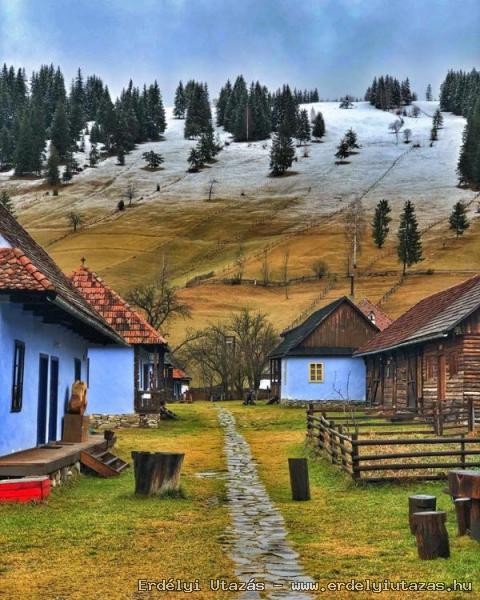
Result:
103,462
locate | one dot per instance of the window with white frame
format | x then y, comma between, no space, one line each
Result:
316,372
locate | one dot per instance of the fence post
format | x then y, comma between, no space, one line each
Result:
462,449
471,415
355,457
342,447
309,420
333,442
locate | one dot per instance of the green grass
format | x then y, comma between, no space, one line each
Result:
94,538
348,531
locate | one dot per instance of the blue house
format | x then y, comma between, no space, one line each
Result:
315,362
138,377
46,327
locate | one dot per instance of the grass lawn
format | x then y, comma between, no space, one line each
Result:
345,531
94,539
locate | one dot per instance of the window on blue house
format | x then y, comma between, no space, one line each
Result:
18,369
316,372
77,365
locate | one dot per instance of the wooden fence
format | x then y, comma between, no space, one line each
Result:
376,449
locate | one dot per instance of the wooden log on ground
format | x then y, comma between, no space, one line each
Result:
420,503
431,534
157,472
299,482
462,510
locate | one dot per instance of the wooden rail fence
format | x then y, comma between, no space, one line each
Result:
375,449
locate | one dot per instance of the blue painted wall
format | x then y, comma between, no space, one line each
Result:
18,430
337,372
111,381
111,387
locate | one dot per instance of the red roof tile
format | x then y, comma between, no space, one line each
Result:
429,318
179,374
381,320
25,266
131,325
18,273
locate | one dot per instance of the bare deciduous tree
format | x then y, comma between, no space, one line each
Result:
130,193
159,300
75,220
232,354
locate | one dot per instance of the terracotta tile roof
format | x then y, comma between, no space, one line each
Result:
17,272
180,374
25,266
431,318
126,321
381,320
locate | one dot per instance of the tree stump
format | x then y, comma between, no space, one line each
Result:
157,472
298,468
431,534
466,484
462,510
420,503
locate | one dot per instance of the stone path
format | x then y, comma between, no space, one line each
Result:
258,543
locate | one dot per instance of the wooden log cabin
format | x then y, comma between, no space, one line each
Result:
429,354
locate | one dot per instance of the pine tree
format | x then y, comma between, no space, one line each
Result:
206,146
93,156
318,130
153,159
458,219
6,202
433,134
195,161
95,134
120,156
59,134
180,103
409,247
469,159
303,128
437,119
428,93
222,102
381,221
282,154
351,139
53,174
343,150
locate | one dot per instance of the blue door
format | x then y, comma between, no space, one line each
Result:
42,400
53,404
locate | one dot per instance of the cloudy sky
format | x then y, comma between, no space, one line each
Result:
335,45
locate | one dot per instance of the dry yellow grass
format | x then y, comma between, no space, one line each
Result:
95,539
127,249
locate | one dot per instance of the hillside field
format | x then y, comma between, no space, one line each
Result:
304,212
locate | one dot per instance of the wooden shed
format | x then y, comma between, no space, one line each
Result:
431,353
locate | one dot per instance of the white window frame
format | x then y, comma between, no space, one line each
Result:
316,379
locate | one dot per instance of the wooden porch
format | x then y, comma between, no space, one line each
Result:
151,401
45,460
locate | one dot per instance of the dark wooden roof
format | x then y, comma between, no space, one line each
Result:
126,321
431,318
292,338
26,267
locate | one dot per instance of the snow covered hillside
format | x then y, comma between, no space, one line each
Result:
381,169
